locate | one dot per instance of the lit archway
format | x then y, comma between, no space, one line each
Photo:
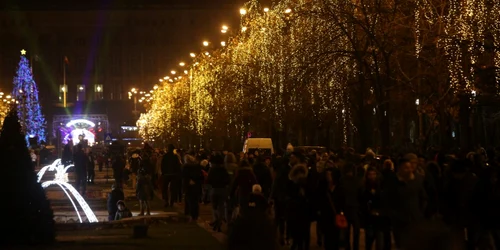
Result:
80,129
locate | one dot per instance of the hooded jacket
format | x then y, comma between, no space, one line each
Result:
170,164
243,181
298,204
264,178
135,162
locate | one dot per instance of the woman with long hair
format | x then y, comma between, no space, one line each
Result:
331,204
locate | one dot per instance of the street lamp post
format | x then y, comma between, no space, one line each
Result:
133,92
64,90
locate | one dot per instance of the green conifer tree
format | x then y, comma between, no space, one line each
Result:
27,215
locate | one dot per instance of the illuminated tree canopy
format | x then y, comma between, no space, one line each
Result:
348,70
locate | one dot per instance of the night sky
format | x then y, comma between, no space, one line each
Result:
103,4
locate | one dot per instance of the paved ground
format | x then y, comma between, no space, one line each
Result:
166,236
96,198
175,236
206,217
167,228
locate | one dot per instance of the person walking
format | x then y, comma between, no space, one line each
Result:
135,163
118,167
192,178
144,191
218,178
80,161
171,174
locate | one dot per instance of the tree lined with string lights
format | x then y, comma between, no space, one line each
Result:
336,73
25,94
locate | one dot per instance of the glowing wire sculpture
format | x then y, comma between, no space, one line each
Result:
61,179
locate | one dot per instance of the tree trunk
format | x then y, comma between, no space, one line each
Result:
385,125
464,122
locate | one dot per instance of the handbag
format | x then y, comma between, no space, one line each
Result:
340,219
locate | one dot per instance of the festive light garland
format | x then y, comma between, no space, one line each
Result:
61,179
25,93
300,58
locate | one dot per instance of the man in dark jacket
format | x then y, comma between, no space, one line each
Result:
80,160
114,196
171,174
192,177
264,178
351,186
118,165
218,178
282,168
405,200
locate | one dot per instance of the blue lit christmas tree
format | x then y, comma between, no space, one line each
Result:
28,107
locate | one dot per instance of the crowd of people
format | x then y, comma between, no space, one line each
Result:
404,201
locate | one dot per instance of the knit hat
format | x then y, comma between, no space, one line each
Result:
204,163
411,157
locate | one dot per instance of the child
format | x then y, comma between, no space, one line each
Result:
257,202
123,212
144,190
114,197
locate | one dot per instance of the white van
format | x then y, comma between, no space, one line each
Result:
252,144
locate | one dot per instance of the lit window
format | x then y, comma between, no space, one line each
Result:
98,91
80,89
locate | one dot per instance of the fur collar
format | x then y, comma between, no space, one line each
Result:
298,172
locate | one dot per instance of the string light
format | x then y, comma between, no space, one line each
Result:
281,66
61,179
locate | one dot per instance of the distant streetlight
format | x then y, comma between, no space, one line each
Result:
182,64
205,43
417,102
224,27
133,92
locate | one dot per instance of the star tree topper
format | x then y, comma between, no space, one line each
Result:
23,52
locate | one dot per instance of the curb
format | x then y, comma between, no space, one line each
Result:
125,223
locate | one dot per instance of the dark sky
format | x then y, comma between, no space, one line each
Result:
103,4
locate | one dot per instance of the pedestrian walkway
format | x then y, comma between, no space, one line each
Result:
206,218
96,197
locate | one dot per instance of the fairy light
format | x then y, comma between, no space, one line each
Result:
282,63
61,179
